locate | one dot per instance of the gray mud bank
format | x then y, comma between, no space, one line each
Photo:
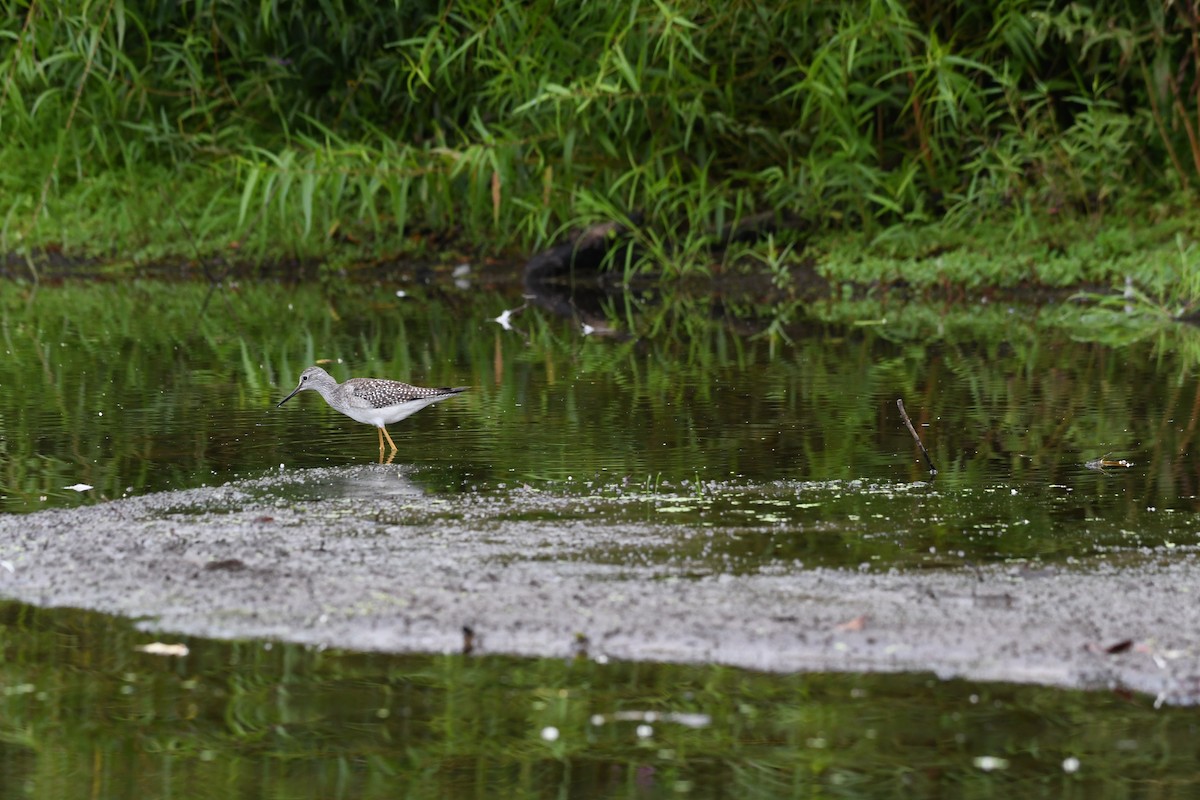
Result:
361,559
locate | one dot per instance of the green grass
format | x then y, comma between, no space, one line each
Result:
138,131
1151,249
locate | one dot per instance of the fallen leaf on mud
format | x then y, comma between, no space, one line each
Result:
856,624
1113,649
163,649
227,565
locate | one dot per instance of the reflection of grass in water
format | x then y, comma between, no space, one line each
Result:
138,388
748,527
261,719
97,353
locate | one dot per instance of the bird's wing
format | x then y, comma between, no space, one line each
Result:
381,393
360,395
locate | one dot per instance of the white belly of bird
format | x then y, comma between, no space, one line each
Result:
389,414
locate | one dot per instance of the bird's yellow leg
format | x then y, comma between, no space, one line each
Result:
389,438
380,430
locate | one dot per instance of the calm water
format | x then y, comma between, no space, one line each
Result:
140,387
132,389
85,714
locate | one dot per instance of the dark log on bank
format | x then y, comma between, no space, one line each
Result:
583,253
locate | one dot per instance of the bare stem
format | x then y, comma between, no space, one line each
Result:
916,438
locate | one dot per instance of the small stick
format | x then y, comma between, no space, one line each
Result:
917,439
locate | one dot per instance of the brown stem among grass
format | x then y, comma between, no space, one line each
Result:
916,438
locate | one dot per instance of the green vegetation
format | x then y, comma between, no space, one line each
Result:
140,129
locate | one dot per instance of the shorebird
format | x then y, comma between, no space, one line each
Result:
372,401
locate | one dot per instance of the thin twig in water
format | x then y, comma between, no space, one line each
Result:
916,438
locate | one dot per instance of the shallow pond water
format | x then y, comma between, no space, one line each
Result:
88,713
135,388
780,433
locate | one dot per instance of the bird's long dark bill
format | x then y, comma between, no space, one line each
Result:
289,397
